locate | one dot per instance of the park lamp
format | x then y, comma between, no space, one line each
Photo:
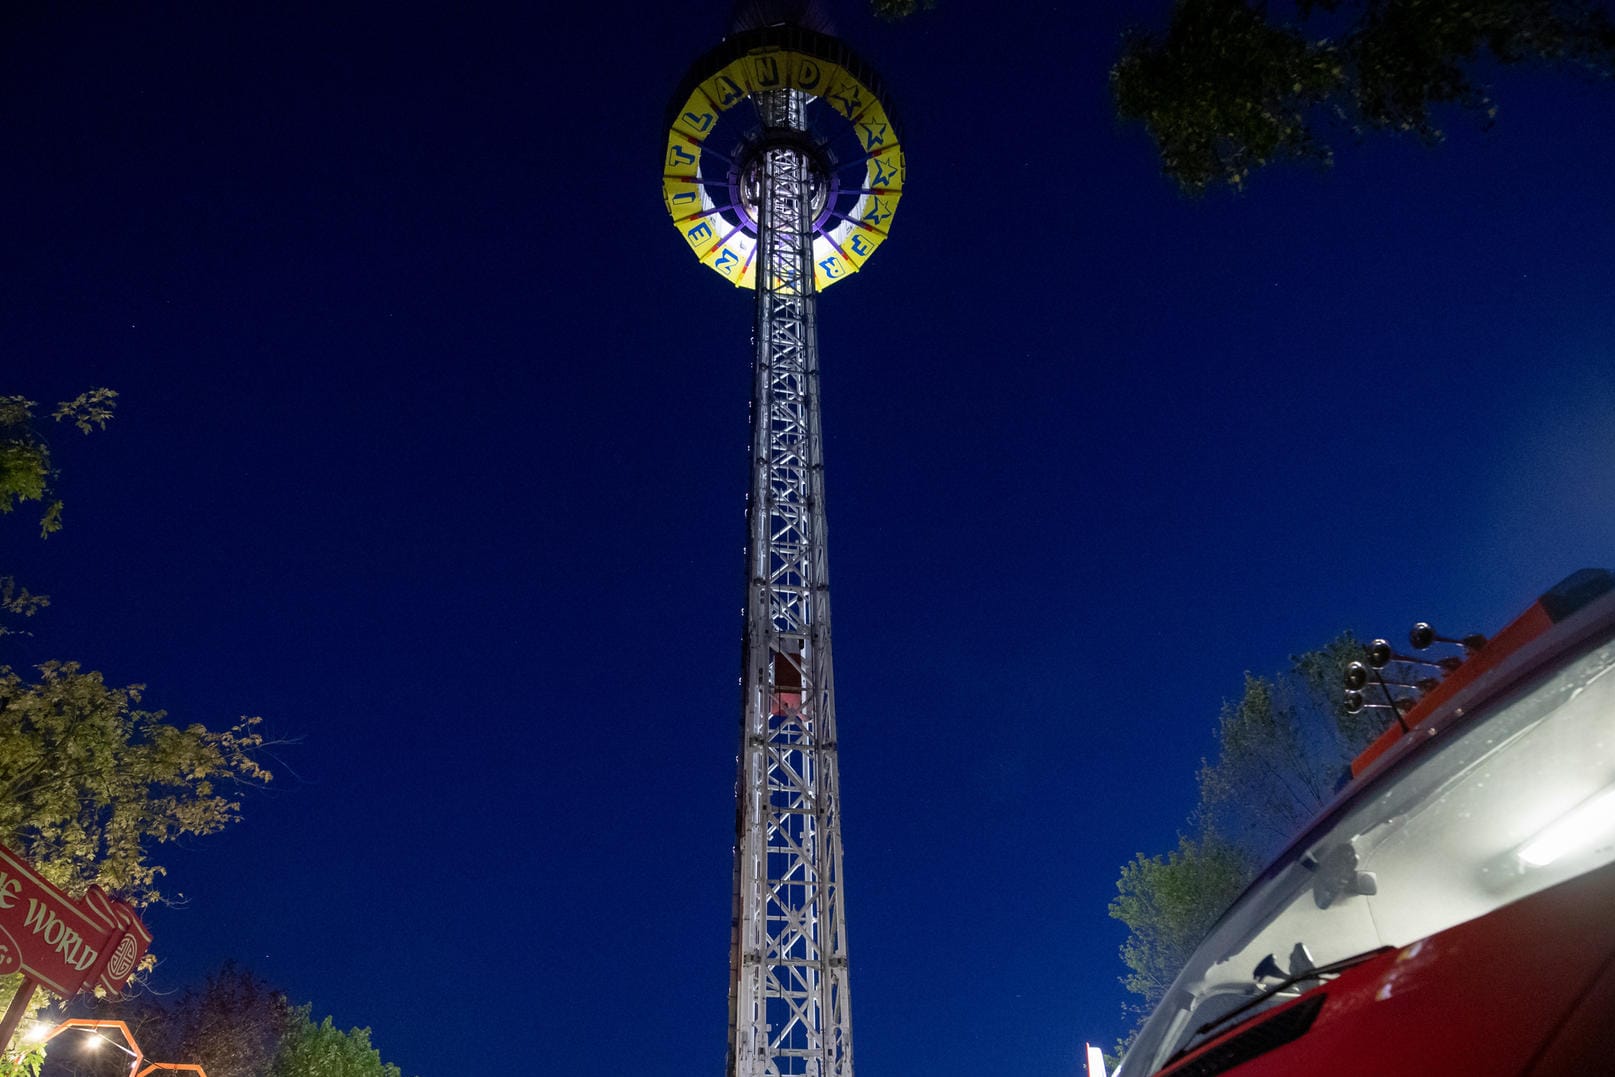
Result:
41,1032
94,1037
93,1040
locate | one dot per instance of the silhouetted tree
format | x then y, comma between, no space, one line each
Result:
1230,86
899,9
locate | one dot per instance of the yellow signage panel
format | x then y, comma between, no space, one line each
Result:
732,257
683,197
730,86
721,236
884,170
697,118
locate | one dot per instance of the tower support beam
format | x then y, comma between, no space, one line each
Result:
788,1002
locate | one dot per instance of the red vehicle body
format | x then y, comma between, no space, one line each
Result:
1453,911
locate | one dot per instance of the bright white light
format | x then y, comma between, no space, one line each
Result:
93,1041
37,1032
1096,1061
1573,831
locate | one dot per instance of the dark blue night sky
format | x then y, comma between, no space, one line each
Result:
431,449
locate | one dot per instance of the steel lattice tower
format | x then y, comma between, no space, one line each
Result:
782,170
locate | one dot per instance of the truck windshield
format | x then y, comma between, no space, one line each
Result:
1516,798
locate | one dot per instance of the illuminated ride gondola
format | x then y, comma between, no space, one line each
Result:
716,136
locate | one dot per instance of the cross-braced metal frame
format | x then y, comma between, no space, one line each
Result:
788,1003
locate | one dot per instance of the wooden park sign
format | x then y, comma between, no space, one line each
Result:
59,943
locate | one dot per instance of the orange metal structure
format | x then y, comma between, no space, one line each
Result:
139,1065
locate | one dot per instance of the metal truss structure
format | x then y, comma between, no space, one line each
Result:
788,1003
781,169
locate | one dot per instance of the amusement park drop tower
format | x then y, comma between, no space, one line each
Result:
781,170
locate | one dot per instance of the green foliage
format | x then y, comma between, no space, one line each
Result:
26,1064
1319,674
1224,91
25,1057
89,411
1228,87
893,10
16,600
1281,750
25,468
89,782
323,1050
1168,904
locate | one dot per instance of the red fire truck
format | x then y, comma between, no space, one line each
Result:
1453,911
